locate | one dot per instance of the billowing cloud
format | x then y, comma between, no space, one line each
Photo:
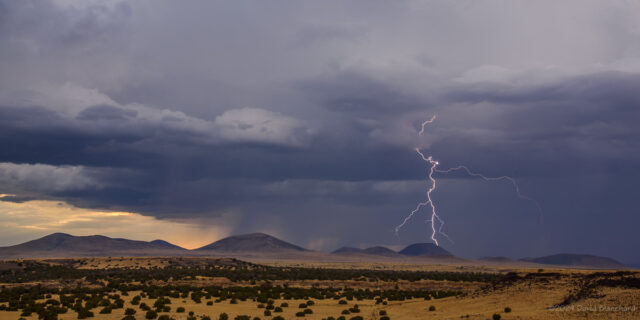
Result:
46,178
300,119
259,125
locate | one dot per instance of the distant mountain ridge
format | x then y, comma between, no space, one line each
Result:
414,250
65,244
253,242
264,245
569,259
347,250
165,244
377,251
425,250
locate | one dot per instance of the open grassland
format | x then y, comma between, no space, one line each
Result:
201,289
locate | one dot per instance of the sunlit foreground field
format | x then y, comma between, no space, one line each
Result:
201,288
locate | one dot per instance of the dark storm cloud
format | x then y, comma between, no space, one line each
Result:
302,118
360,94
106,112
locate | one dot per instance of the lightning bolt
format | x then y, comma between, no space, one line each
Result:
426,123
433,164
513,182
429,202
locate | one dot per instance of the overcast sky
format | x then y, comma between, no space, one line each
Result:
299,119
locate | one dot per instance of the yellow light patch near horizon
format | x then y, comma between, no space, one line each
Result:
20,222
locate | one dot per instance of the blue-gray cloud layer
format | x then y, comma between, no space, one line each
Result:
301,117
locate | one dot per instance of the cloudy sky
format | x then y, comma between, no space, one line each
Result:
191,121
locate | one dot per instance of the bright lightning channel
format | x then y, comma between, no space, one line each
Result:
426,123
432,169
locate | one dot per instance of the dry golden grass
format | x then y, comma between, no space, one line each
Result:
527,299
526,303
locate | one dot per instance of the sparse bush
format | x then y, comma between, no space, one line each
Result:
267,313
432,308
151,314
223,316
507,310
84,313
180,309
496,316
130,311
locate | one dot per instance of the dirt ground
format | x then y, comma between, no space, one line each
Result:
525,303
525,299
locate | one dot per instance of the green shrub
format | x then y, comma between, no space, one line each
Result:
507,309
151,314
496,316
84,313
130,311
432,308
